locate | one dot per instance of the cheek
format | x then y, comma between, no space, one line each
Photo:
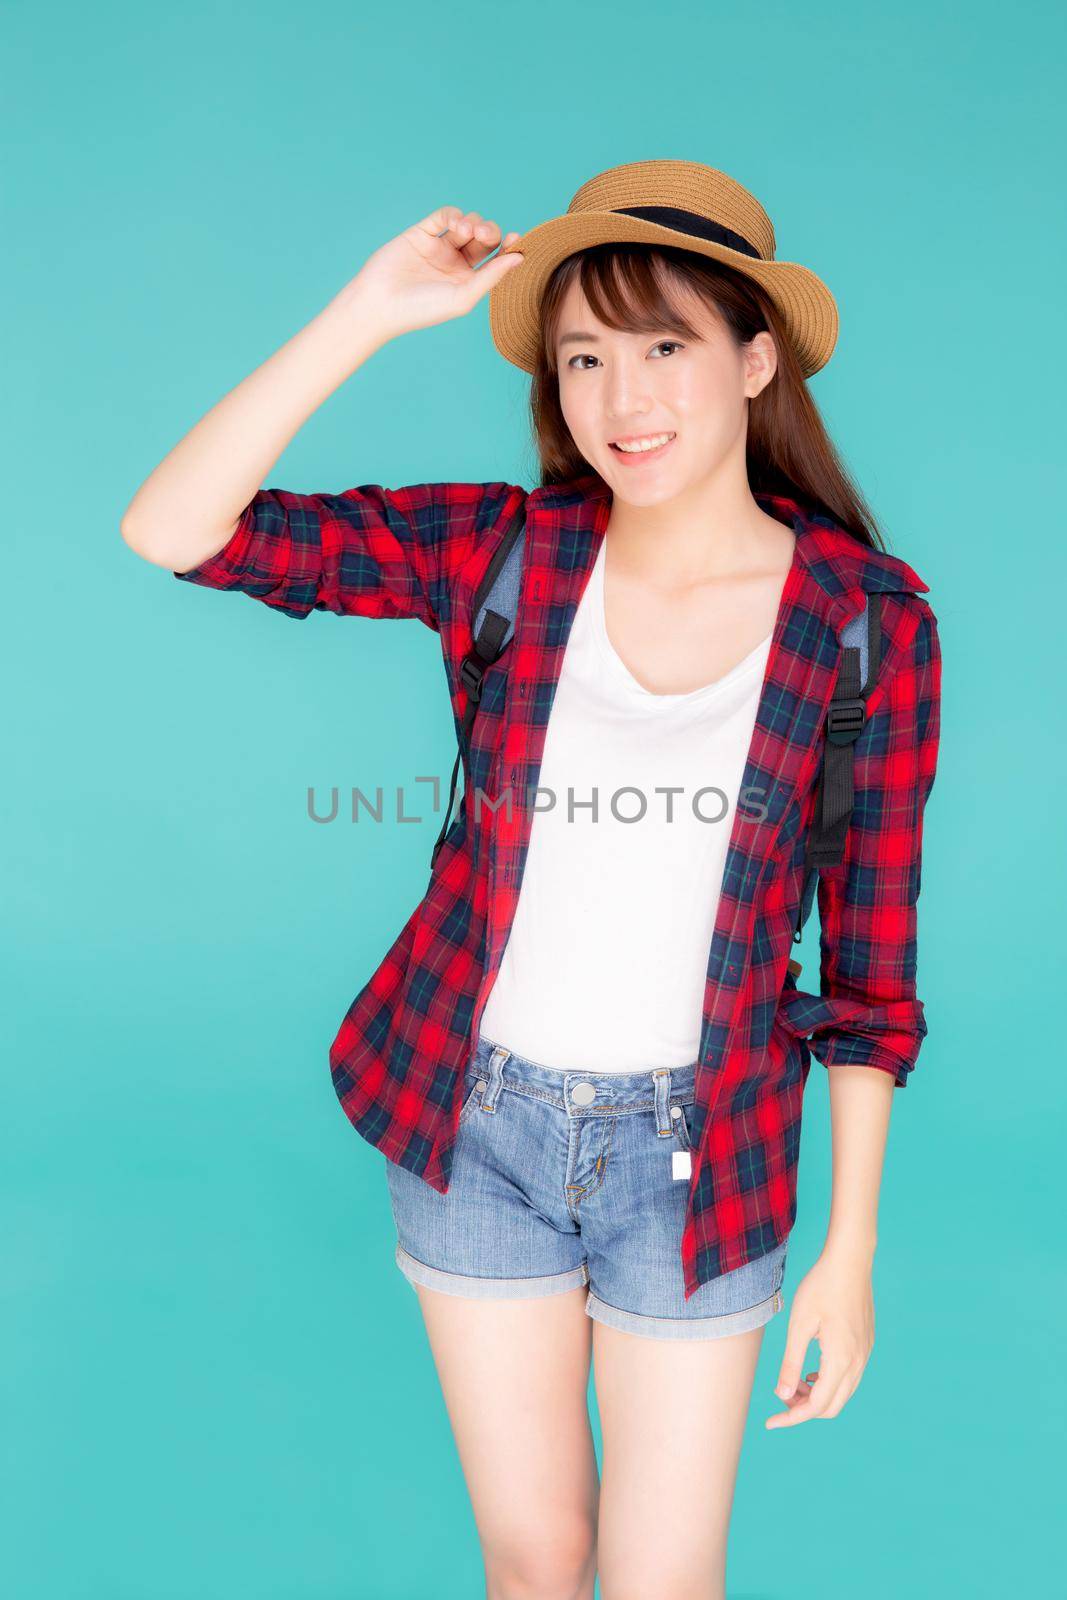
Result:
707,404
577,408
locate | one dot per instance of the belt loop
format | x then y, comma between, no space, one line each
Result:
662,1079
496,1077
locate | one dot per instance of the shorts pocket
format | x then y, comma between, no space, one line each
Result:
682,1123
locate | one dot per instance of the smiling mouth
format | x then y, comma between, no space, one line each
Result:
644,452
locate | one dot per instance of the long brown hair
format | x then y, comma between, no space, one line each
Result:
628,287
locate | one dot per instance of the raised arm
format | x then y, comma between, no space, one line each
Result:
199,502
367,552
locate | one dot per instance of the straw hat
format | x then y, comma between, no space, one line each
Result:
681,203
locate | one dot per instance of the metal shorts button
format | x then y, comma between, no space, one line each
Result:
583,1093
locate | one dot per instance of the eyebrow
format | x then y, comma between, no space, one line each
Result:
579,336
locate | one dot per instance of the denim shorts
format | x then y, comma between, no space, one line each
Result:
564,1178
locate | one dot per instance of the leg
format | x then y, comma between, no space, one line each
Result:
673,1415
515,1376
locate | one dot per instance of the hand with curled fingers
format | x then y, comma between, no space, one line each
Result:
833,1303
433,272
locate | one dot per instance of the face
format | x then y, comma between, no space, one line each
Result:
620,386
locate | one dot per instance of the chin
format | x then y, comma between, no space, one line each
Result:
655,489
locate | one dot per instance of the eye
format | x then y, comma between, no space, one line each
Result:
671,344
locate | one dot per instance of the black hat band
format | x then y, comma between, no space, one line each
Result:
693,223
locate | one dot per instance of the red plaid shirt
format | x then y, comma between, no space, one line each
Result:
400,1052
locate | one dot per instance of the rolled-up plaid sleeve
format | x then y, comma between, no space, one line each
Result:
869,1011
367,551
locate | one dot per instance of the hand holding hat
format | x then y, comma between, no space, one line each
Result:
424,276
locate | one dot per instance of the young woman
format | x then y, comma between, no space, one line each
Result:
584,1055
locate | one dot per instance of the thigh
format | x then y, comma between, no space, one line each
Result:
672,1415
515,1376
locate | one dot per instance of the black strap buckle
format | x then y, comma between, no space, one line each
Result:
844,720
470,675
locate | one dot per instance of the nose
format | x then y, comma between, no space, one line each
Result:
628,400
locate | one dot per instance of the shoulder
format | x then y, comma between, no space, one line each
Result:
909,651
851,570
848,563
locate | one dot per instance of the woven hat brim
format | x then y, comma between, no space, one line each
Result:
806,305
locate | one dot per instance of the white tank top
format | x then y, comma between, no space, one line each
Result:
604,969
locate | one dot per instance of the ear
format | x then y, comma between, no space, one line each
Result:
761,362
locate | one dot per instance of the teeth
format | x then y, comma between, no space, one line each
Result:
650,443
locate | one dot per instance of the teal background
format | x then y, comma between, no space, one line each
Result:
215,1381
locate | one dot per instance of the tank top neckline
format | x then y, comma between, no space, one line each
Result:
618,666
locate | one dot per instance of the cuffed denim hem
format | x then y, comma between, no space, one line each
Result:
684,1327
488,1288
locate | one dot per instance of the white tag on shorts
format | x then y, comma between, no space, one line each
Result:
681,1163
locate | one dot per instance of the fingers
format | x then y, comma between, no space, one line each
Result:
491,272
472,234
843,1385
830,1389
798,1338
474,237
439,221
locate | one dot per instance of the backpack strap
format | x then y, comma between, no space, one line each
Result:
492,627
845,718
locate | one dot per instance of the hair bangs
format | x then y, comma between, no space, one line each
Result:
631,288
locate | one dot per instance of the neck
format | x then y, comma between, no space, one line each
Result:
714,529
